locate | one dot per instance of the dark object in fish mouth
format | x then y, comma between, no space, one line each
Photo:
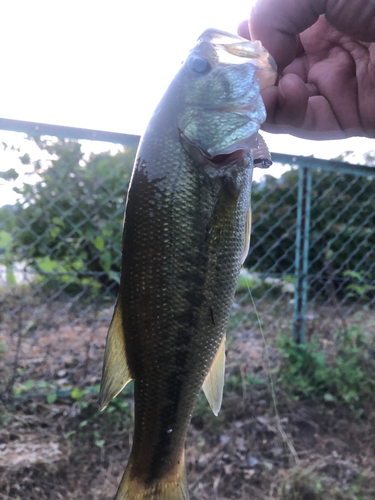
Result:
264,162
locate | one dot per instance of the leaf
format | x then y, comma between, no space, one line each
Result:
9,175
55,232
76,394
100,443
98,243
29,384
51,397
106,261
25,159
47,264
353,274
11,279
5,239
328,397
114,276
17,390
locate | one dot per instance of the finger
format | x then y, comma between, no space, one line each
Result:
270,100
339,85
321,119
293,96
356,19
277,23
320,116
244,30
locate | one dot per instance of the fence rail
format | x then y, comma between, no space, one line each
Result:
311,267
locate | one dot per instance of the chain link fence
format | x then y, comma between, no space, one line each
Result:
311,266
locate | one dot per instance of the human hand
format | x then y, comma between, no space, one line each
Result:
326,64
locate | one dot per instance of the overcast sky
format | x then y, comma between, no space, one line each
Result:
105,65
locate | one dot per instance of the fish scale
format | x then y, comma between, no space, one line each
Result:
169,370
184,237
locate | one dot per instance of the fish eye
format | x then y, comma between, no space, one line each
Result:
200,65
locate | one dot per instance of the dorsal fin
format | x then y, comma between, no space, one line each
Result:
116,373
214,382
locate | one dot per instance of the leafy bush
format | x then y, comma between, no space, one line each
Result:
341,257
347,377
69,222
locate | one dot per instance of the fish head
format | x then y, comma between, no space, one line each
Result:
221,109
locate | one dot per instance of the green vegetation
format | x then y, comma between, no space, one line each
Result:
346,377
117,414
238,382
341,231
92,423
69,221
67,226
304,484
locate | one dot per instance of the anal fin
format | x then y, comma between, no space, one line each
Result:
214,382
116,373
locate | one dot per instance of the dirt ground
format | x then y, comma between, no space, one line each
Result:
55,445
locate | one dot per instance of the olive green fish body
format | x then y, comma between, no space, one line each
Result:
185,233
183,242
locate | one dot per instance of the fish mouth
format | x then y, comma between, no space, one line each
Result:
240,154
232,154
226,158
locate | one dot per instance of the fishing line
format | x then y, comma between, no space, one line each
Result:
283,435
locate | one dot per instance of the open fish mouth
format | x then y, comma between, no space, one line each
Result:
238,155
225,159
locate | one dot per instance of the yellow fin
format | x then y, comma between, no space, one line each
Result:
247,235
214,382
115,368
169,487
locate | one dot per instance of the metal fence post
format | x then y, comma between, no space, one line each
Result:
302,253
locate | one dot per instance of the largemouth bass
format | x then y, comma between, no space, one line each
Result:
186,233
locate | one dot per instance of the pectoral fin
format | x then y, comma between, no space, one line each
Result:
214,382
247,235
116,373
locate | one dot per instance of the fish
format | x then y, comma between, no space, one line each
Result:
185,236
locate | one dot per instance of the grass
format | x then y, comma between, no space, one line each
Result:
315,385
345,376
308,484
